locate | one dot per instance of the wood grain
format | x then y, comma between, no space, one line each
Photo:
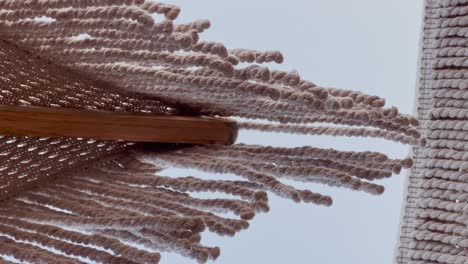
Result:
139,127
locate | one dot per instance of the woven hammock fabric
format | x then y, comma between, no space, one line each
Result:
434,226
27,80
83,200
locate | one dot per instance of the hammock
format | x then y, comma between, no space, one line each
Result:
69,200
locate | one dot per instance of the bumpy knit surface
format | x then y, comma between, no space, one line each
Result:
434,225
82,200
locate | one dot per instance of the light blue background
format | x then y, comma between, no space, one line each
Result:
366,45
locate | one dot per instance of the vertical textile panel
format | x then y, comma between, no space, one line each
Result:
434,227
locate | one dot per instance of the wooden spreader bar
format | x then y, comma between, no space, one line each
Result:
103,125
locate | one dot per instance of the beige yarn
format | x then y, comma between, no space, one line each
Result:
82,200
434,223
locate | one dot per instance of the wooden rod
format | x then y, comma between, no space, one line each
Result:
139,127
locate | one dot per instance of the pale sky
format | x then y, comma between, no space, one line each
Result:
366,45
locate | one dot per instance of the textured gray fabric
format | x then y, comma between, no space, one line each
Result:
434,224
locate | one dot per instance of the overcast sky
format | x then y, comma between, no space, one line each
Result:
366,45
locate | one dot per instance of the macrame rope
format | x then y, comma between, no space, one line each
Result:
81,200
